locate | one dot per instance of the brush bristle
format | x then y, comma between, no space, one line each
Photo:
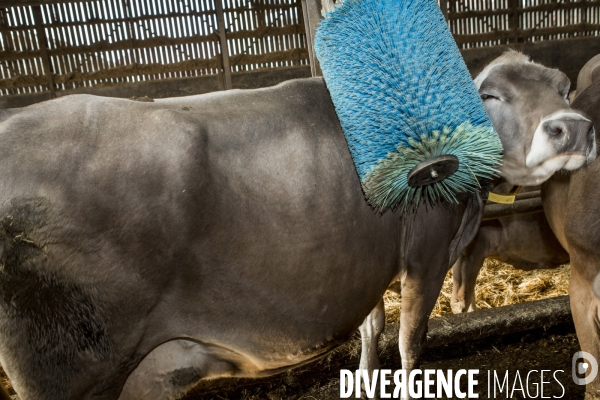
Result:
403,94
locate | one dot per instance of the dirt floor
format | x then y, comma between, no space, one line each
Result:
551,351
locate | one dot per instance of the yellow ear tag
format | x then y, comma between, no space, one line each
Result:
502,198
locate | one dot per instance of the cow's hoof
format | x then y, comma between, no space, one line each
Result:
458,307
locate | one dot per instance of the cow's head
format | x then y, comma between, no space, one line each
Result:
540,133
588,74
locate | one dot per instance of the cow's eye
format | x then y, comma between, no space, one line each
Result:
487,96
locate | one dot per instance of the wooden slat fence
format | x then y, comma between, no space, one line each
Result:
48,46
482,23
108,42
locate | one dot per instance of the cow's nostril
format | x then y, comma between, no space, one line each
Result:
554,130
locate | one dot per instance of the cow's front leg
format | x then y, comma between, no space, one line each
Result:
370,330
420,291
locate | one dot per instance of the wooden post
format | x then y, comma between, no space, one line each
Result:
220,75
311,10
223,40
444,8
43,43
8,43
259,12
513,20
131,39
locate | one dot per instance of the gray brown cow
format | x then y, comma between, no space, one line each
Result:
223,235
526,102
526,241
571,206
570,194
541,134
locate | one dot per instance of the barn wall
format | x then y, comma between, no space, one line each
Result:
568,55
52,46
169,87
484,23
163,48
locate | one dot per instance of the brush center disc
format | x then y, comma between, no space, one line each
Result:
433,170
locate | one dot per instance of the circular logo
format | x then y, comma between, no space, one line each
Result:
589,366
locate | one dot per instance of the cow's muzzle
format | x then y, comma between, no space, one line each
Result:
568,136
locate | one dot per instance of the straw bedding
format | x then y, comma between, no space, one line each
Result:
498,284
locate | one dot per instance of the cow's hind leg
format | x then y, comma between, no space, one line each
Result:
171,369
420,290
370,330
464,276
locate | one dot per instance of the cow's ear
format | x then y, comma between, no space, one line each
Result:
468,227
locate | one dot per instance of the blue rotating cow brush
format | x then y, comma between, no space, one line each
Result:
413,119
